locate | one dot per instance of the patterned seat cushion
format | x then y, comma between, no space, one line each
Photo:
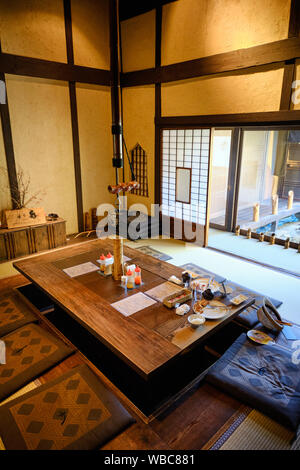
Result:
30,351
14,313
73,412
248,318
265,377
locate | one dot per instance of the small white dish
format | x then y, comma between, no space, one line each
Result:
196,320
175,280
237,300
215,313
198,308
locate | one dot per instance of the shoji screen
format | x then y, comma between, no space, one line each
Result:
185,149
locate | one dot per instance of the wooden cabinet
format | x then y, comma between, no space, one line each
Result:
27,240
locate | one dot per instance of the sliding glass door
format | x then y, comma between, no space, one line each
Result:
220,168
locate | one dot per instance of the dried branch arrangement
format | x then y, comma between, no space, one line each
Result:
21,195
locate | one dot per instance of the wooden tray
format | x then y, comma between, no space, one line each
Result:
179,297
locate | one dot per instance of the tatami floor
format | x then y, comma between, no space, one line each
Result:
267,281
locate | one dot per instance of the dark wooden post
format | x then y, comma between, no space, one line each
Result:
115,87
9,148
74,116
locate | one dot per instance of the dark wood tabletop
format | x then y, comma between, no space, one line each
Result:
146,340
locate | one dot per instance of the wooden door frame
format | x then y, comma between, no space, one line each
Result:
232,174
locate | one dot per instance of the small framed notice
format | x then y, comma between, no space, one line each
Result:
183,185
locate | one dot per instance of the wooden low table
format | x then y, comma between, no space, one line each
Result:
149,340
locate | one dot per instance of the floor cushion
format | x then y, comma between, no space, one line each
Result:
251,293
264,376
248,318
14,313
30,351
73,412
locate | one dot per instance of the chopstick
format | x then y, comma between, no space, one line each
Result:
284,323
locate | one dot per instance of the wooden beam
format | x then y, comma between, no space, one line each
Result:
269,118
271,53
286,91
9,148
294,22
76,154
74,117
232,178
68,31
158,26
27,66
158,23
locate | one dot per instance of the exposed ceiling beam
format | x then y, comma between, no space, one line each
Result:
19,65
275,118
264,54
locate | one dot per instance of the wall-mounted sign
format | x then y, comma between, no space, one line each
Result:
183,185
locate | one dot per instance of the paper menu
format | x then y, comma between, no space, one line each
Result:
163,290
81,269
133,304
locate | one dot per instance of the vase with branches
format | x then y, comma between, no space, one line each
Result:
20,192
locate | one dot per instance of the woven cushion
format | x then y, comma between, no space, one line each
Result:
73,412
30,351
14,313
266,377
248,318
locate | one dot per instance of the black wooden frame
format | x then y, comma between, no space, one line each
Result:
74,116
9,147
232,178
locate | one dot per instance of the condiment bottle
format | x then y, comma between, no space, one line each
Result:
108,264
130,279
102,263
186,279
138,276
124,281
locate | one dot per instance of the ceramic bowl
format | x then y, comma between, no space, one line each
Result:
196,320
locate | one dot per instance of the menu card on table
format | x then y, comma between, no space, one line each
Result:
81,269
133,304
163,290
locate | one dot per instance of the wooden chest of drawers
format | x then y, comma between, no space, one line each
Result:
27,240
